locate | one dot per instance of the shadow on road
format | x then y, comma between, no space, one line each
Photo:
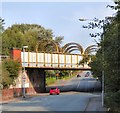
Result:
70,87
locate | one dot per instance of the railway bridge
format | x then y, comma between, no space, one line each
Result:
35,63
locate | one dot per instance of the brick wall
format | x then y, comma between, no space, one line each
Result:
17,92
7,94
16,54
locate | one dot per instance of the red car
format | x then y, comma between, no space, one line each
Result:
54,91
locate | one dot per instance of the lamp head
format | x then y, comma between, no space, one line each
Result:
82,19
25,46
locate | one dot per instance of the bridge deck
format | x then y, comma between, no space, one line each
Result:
52,61
62,68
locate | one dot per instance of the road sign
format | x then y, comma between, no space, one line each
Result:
23,77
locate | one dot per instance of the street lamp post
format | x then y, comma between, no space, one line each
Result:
96,20
103,70
23,77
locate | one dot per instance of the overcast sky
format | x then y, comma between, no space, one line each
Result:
61,17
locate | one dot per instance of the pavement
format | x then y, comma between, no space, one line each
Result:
95,104
17,99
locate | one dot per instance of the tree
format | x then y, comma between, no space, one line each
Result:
1,30
111,44
108,58
58,40
96,65
87,56
49,45
84,60
10,70
1,25
5,79
19,35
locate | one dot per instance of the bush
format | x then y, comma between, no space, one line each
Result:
10,70
113,101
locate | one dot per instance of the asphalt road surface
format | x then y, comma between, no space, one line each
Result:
74,96
78,84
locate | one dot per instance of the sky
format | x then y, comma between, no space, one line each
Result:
61,17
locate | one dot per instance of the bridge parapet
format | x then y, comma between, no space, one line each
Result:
51,60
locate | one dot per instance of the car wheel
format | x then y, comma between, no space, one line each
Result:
57,93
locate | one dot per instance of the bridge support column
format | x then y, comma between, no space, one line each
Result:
42,80
37,80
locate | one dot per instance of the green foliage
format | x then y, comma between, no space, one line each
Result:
51,80
108,59
49,45
19,35
12,67
88,55
10,70
1,25
84,60
112,100
58,40
1,30
6,80
65,72
112,63
50,73
96,64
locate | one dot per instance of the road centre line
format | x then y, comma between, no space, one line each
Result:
78,84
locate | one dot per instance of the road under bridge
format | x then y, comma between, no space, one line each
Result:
35,64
